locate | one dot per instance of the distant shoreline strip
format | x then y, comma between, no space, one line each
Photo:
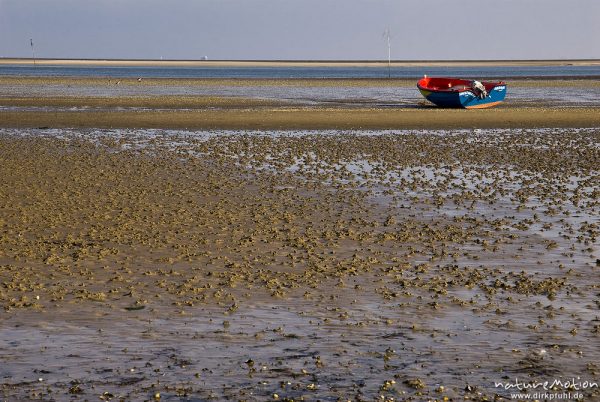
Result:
295,63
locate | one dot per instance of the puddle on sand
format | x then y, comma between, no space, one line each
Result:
294,348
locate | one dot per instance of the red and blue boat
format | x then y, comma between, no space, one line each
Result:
459,93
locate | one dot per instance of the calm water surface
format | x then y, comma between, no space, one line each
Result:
298,72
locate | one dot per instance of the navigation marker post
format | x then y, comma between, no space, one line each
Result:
32,50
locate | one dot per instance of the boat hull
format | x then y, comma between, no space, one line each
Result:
465,98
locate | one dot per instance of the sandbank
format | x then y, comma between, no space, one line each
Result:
300,63
311,118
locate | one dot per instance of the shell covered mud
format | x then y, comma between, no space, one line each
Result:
408,265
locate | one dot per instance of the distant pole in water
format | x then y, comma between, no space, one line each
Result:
32,50
386,34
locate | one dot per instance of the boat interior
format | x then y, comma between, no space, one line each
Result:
451,84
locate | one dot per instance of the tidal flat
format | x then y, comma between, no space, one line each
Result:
282,104
297,265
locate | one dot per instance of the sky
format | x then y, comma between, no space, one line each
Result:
301,29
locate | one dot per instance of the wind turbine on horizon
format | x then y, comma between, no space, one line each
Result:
387,36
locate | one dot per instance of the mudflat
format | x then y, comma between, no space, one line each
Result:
236,239
157,264
280,104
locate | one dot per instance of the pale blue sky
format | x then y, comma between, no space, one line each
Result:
301,29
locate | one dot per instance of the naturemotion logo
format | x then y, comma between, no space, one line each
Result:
560,389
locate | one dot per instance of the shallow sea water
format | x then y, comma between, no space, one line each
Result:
299,72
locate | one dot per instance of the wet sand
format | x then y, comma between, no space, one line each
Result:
139,262
27,82
314,118
281,104
320,265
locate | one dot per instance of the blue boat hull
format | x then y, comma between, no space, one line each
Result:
465,99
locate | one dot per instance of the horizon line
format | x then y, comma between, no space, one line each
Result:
302,60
